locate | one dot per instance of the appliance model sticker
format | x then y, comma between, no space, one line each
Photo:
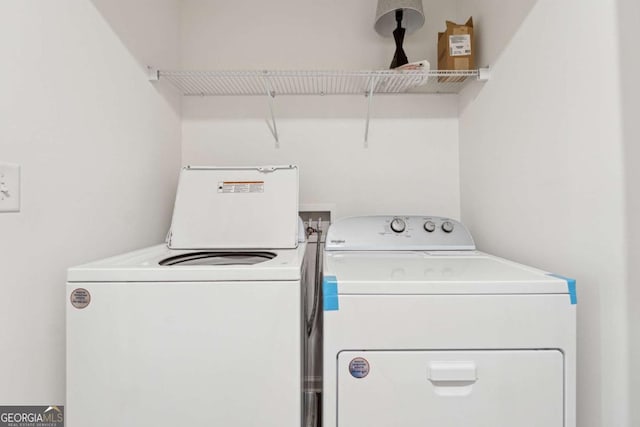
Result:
359,367
241,187
460,45
80,298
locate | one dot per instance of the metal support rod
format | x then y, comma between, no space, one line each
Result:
270,95
372,84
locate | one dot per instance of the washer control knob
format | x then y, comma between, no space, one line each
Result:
447,226
429,226
398,225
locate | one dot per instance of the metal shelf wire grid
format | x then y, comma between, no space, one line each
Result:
274,83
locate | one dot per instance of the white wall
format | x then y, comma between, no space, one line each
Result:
495,23
411,165
299,34
629,15
542,177
149,29
99,149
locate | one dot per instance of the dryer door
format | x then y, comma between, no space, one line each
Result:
497,388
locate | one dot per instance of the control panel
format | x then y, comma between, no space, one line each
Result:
401,233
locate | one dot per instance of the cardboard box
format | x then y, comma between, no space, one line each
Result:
456,47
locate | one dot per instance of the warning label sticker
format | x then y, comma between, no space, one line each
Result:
460,45
241,187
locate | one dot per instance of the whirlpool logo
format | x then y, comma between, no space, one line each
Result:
31,416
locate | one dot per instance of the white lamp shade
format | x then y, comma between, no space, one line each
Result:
412,19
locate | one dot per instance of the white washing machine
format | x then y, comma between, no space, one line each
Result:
420,329
208,334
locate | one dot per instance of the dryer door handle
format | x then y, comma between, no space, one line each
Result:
455,373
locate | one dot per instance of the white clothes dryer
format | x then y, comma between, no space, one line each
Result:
421,329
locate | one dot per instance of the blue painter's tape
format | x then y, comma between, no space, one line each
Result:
330,293
571,285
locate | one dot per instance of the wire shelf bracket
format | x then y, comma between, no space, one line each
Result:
153,73
270,96
369,94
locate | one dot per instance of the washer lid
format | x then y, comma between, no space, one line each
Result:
236,208
463,272
160,264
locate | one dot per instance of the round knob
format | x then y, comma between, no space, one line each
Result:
429,226
398,225
447,226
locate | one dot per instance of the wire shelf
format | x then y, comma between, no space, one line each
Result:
275,83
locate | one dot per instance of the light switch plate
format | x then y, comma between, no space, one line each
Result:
9,187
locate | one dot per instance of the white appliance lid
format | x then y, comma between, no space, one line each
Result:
236,208
426,273
145,266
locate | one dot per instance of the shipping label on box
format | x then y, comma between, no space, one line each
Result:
460,45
